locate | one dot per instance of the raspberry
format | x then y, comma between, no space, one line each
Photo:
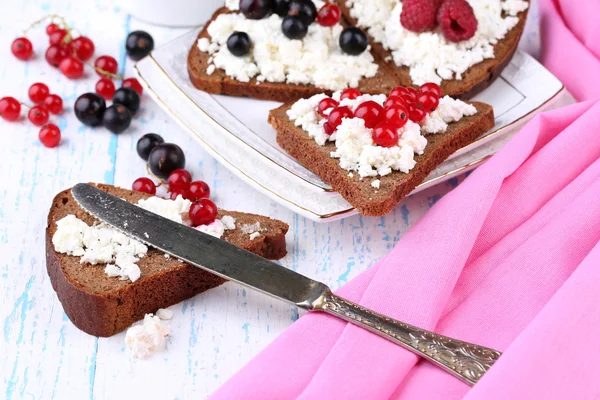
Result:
419,15
457,20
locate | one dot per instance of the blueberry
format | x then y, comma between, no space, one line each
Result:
138,45
146,143
281,7
294,27
305,9
256,9
117,118
239,43
89,109
128,97
166,158
353,41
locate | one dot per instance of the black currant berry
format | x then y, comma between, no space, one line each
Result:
89,109
166,158
294,27
117,118
146,143
256,9
239,43
281,7
128,97
305,9
138,45
353,41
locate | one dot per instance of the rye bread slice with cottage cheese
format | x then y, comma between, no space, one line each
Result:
475,79
219,83
368,200
103,306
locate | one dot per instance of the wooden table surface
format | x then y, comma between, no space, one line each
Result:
42,355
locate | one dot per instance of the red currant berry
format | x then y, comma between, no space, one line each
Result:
51,28
134,84
144,185
179,179
385,134
50,136
329,15
71,67
175,194
198,190
54,104
428,100
57,36
105,64
56,53
394,100
83,48
398,91
328,129
431,88
203,212
105,88
22,48
350,94
370,112
10,108
416,114
38,93
326,104
337,114
397,115
411,96
38,115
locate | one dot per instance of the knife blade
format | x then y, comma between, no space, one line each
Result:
199,249
466,361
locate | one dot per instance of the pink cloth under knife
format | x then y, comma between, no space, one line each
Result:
510,260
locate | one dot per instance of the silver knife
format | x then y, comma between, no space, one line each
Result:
466,361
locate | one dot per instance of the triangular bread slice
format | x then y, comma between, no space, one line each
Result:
103,306
219,83
393,187
475,79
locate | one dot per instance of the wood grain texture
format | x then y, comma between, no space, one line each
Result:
43,356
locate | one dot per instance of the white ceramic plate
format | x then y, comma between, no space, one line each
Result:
235,130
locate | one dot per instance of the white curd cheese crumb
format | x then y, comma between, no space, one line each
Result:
376,183
167,255
250,228
164,314
229,222
176,210
216,228
254,235
147,337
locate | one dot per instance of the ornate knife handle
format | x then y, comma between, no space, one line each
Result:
466,361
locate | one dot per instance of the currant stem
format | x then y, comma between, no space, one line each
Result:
25,105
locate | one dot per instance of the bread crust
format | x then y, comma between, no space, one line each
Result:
393,187
103,306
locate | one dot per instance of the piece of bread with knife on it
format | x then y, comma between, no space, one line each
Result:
255,56
462,45
372,149
131,280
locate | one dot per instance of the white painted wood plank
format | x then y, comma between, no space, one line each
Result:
215,333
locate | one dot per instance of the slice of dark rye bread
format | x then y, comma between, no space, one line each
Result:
394,187
475,79
103,306
219,83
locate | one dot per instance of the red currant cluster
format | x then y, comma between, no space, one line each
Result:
70,54
45,104
403,103
167,161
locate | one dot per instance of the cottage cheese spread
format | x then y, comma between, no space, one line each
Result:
149,336
234,5
429,55
102,244
315,60
354,143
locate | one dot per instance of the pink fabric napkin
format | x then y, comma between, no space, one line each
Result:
509,260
